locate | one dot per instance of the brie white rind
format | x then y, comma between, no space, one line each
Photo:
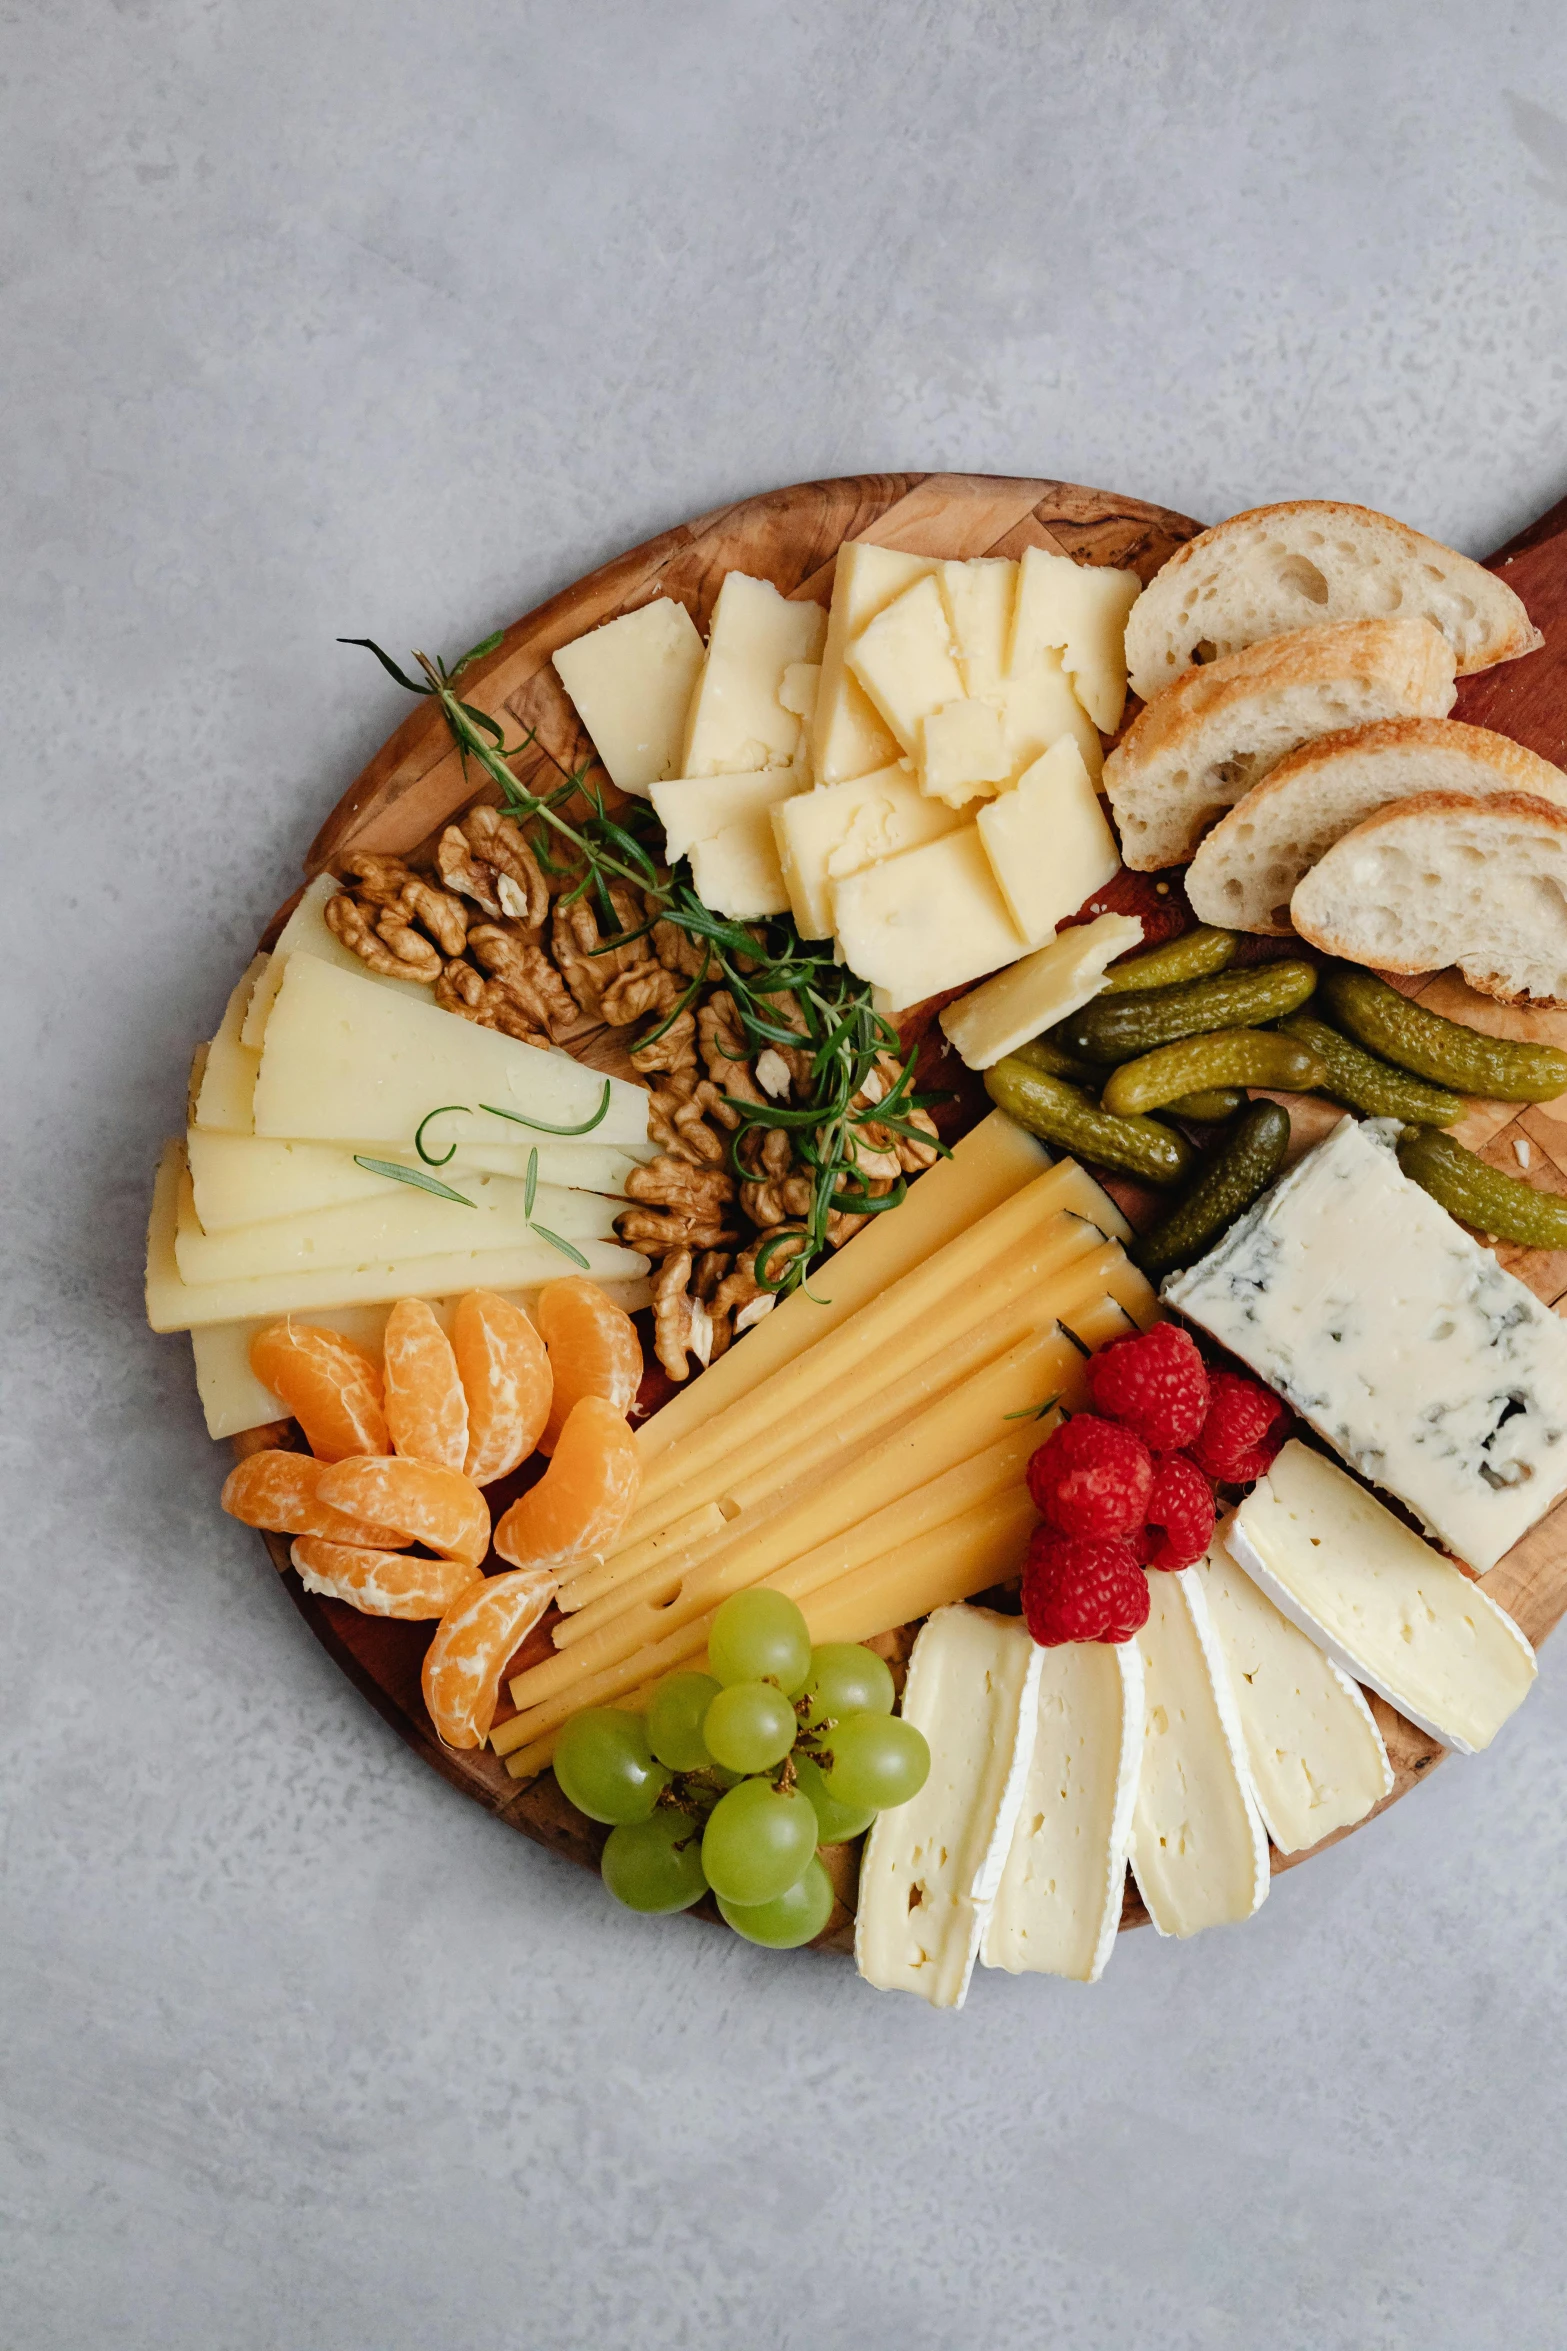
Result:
1403,1343
225,1098
839,829
1049,845
1383,1605
306,932
1038,989
1199,1851
737,720
930,1867
1058,1906
1080,611
1316,1755
632,681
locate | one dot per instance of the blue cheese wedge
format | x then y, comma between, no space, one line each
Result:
1316,1756
1058,1905
1199,1851
1381,1603
1403,1343
932,1866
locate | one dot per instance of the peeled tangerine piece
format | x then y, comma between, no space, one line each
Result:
426,1410
584,1498
332,1388
277,1490
594,1350
382,1583
475,1642
506,1375
426,1504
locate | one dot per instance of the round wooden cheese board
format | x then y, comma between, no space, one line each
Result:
417,783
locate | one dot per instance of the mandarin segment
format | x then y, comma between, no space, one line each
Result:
584,1498
594,1350
426,1504
426,1409
506,1376
332,1388
464,1663
382,1583
277,1490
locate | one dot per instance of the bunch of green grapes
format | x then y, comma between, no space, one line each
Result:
734,1777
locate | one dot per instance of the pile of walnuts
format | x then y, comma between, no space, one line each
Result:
500,947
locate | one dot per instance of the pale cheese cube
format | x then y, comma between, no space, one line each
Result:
698,808
737,872
802,682
848,738
963,752
1040,707
839,829
1078,610
930,919
1039,990
979,597
632,682
904,660
1048,842
737,722
225,1098
306,933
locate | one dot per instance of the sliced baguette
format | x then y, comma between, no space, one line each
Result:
1244,874
1446,878
1205,741
1311,562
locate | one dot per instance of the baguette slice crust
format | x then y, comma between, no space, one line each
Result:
1279,568
1446,878
1246,871
1205,741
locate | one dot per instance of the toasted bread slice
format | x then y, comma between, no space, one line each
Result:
1205,741
1244,874
1447,878
1281,568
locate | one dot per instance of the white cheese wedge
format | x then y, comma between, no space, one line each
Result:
1037,991
250,1179
1048,842
963,752
346,1061
1383,1605
737,721
1058,1905
693,809
930,919
1199,1851
1316,1755
1434,1373
306,932
632,682
848,739
225,1099
1078,610
1040,707
824,836
978,596
905,662
931,1867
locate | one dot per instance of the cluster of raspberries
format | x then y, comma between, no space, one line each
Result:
1127,1486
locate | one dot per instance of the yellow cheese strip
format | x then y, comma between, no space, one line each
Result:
990,1164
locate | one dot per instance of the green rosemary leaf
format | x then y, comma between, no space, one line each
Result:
419,1134
477,652
387,663
682,1004
621,939
530,1189
543,1125
482,718
1034,1411
412,1175
556,1242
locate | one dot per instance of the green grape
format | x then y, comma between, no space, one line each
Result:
759,1842
790,1919
655,1864
847,1679
877,1759
605,1765
674,1720
835,1823
749,1726
760,1637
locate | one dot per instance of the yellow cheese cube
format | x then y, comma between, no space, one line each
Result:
1040,708
930,919
904,660
848,739
979,597
699,808
737,872
963,752
1043,988
1078,610
737,721
1048,842
839,829
632,682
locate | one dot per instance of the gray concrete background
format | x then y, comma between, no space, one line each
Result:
327,319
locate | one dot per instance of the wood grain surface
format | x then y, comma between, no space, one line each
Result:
416,783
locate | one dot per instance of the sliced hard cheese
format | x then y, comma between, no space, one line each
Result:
225,1099
1040,989
978,596
848,739
1058,1905
252,1179
1040,708
1199,1850
1048,843
345,1060
306,932
1078,610
737,872
632,681
1384,1606
904,660
840,829
963,752
737,721
928,920
1316,1755
929,1871
698,808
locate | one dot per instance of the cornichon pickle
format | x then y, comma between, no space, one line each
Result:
1208,1108
1194,956
1444,1051
1232,1057
1363,1081
1232,1177
1481,1195
1063,1115
1119,1028
1057,1063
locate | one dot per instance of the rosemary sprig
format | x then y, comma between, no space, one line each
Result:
415,1176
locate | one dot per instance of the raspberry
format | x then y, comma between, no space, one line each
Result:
1157,1384
1091,1477
1244,1428
1180,1514
1077,1590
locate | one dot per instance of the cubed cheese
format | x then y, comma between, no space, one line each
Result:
904,660
225,1098
736,871
1039,990
978,596
306,932
848,739
1048,842
963,752
840,829
632,682
1078,610
737,720
699,808
1040,707
930,919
